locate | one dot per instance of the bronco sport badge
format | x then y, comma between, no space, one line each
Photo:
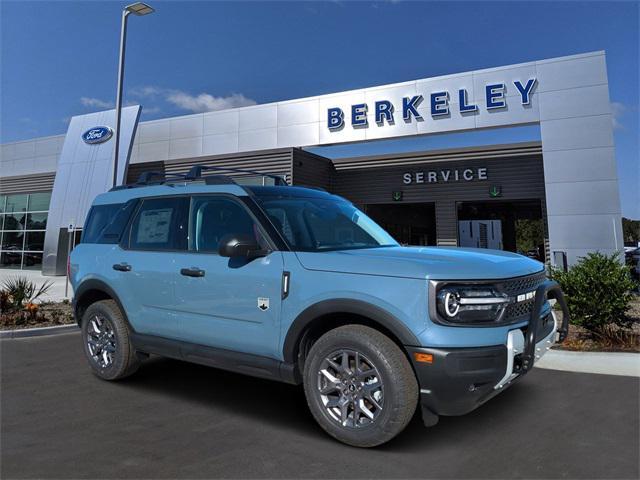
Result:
263,303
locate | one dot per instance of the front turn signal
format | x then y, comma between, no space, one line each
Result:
423,357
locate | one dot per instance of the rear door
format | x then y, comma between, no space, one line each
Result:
146,268
227,303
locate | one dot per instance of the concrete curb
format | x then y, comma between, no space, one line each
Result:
607,363
39,332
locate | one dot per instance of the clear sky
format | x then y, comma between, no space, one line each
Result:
59,59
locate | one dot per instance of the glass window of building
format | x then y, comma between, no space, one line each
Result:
23,221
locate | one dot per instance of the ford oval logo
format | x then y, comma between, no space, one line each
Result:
97,135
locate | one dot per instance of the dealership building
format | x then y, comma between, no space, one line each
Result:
555,199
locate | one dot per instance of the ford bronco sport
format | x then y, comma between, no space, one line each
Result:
298,285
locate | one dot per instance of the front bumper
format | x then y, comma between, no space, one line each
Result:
458,380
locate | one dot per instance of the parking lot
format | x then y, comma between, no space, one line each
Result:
177,420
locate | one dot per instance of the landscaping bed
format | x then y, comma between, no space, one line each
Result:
617,340
46,314
603,303
21,306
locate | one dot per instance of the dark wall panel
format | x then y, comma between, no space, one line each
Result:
519,177
135,170
446,223
40,182
312,170
517,171
275,162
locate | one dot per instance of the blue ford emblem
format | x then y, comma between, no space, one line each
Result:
97,135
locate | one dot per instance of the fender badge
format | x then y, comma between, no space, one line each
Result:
263,303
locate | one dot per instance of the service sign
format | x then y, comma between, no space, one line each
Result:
97,135
440,104
445,175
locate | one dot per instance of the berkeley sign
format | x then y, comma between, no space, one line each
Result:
384,110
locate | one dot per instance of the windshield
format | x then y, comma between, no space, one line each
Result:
318,224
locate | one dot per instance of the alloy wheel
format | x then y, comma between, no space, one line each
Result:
350,388
101,341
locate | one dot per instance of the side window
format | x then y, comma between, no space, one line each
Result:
214,217
160,224
106,223
99,217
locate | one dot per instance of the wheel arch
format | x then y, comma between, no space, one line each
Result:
91,291
323,316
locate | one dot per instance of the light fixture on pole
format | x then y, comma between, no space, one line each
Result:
138,9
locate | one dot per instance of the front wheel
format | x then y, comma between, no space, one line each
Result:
360,386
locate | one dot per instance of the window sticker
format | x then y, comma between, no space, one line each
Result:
153,226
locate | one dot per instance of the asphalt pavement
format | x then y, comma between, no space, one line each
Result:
178,420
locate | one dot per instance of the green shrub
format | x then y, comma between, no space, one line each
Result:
598,289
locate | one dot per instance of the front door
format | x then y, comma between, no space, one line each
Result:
227,303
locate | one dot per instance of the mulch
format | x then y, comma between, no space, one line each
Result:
580,339
49,314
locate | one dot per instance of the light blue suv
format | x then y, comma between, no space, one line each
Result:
298,285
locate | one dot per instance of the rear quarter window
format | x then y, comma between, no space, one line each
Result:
106,223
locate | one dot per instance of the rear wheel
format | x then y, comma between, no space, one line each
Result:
359,386
106,340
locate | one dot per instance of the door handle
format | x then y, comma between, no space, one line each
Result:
192,272
122,267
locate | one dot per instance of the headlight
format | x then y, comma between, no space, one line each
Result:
470,304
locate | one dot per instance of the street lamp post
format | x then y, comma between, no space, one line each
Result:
137,9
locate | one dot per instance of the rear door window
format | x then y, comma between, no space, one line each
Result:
160,224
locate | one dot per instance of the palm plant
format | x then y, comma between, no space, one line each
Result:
21,291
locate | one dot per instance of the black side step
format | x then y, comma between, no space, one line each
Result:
254,365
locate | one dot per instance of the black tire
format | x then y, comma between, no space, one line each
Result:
399,386
124,360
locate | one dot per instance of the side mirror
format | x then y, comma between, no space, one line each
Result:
240,245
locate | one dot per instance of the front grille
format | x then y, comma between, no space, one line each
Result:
520,285
520,309
517,286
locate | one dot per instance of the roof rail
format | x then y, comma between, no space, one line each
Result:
196,172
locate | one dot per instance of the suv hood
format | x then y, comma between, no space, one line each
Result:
438,263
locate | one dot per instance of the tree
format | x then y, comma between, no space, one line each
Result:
630,230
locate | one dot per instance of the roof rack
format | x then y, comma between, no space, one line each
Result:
196,172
